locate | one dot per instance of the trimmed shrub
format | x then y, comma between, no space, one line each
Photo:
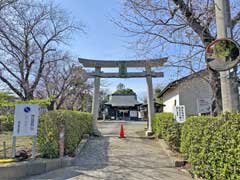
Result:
6,122
192,131
164,126
76,124
212,146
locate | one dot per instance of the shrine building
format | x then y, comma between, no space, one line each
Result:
122,107
127,107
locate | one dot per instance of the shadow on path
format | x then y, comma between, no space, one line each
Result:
93,157
95,154
112,158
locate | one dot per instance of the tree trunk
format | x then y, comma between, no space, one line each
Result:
51,106
29,95
215,84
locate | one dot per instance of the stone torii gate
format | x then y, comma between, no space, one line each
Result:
123,73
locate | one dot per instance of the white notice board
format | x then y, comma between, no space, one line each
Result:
26,120
133,114
204,105
180,114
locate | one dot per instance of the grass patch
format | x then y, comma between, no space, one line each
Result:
22,143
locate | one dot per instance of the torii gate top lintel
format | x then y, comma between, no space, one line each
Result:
128,63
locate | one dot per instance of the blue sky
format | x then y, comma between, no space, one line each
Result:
103,39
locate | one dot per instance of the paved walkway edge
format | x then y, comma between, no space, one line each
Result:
35,167
170,154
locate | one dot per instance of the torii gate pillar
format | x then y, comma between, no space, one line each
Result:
95,102
150,101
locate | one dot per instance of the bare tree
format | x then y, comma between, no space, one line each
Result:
66,84
80,92
4,3
31,33
187,26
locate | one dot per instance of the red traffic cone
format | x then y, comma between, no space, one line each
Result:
121,134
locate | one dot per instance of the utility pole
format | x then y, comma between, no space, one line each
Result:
229,85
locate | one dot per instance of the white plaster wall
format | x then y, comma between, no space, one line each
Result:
169,99
187,93
192,90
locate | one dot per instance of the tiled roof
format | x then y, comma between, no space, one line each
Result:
123,100
175,83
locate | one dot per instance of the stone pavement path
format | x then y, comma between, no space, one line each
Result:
111,158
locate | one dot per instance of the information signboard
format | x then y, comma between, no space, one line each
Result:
204,105
180,114
133,114
26,120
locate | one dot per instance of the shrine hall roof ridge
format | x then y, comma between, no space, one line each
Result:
116,63
123,100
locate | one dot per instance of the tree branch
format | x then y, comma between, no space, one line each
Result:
12,87
235,20
194,23
9,71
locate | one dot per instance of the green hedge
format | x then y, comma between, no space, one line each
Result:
76,124
164,126
6,122
212,146
192,132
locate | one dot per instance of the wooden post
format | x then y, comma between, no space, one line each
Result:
61,141
4,150
95,103
14,147
150,101
34,146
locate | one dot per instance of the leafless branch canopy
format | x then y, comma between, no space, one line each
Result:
158,25
179,29
66,83
31,34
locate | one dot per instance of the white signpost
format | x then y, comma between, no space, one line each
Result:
25,124
180,114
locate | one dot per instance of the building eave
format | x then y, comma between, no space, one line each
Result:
175,83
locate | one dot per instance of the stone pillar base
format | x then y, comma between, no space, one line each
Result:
148,133
97,133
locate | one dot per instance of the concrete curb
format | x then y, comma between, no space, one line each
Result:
167,150
25,169
171,155
82,144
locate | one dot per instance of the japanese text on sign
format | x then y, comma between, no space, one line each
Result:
180,114
26,120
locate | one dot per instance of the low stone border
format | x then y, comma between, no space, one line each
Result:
167,150
25,169
174,160
82,144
